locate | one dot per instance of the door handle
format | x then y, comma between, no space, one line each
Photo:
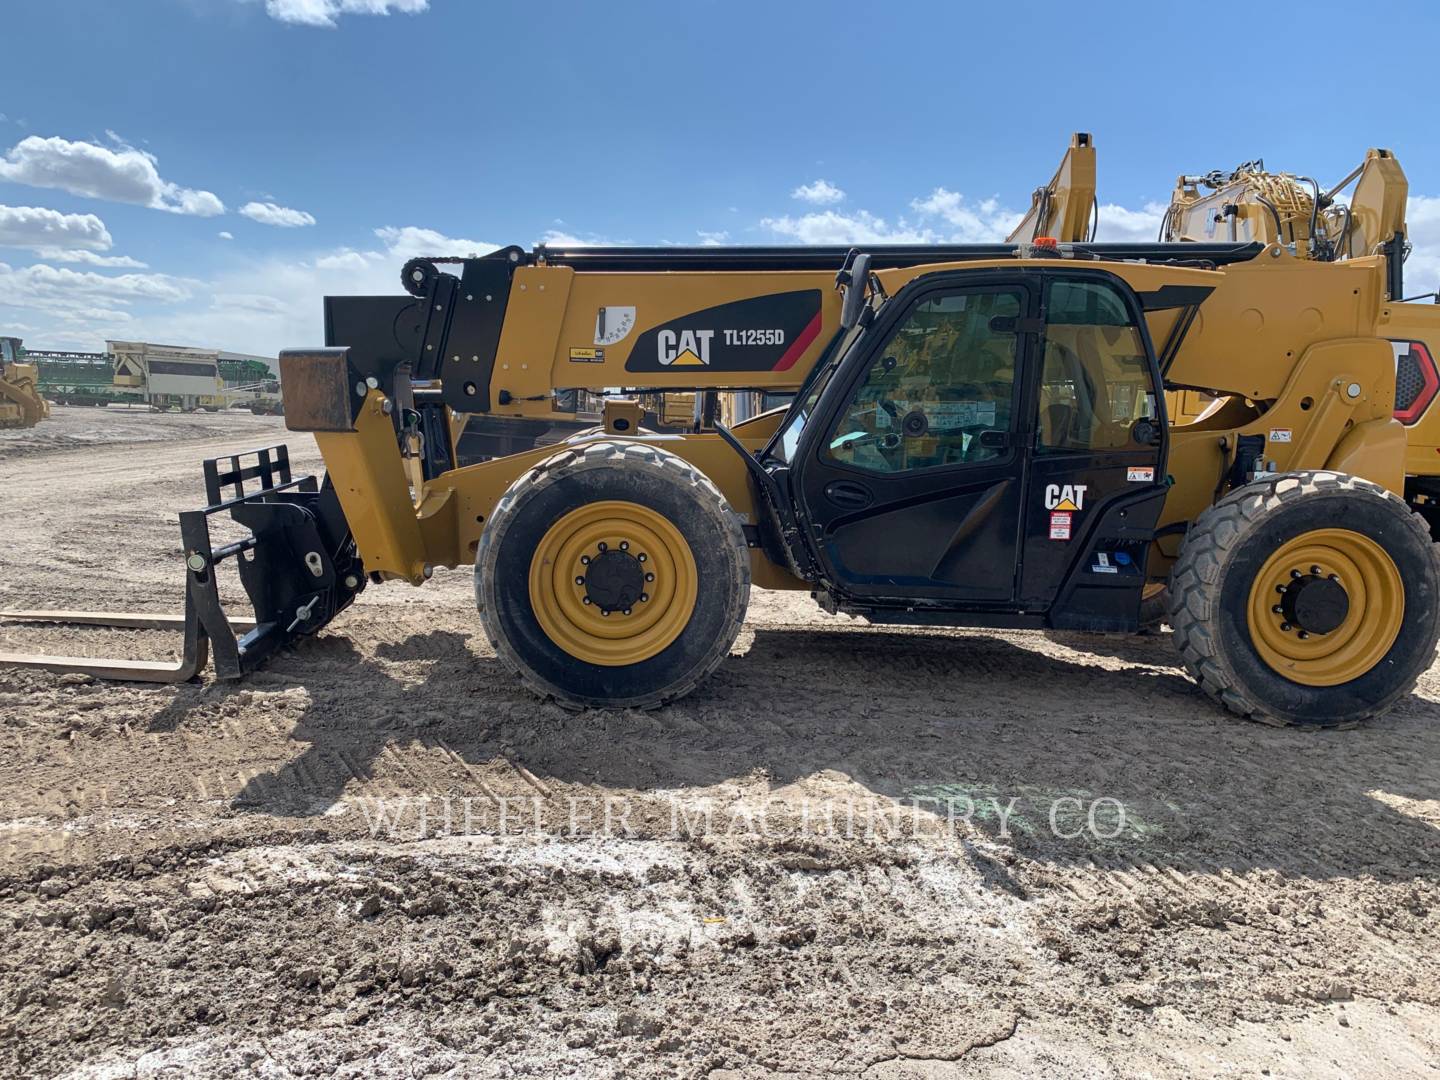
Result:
995,439
848,494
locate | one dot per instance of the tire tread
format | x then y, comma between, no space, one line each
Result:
628,457
1195,582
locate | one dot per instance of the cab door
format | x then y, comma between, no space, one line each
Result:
911,476
1097,469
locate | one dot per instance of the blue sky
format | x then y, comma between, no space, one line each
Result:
254,155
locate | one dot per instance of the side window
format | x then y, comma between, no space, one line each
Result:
1095,381
945,378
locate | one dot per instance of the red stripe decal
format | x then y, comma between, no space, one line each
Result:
799,345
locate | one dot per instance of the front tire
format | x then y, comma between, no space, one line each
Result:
1307,598
612,575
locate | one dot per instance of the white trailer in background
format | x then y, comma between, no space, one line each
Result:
169,375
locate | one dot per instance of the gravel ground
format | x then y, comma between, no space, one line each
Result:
855,851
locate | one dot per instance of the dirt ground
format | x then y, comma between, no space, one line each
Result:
855,851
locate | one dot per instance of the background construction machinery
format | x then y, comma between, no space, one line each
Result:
161,376
21,402
1363,214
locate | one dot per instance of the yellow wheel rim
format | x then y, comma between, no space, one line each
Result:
1152,590
613,583
1343,639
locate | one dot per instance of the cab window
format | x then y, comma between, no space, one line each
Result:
1095,380
940,391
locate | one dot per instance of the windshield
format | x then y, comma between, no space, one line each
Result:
783,446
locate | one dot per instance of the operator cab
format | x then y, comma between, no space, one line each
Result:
988,441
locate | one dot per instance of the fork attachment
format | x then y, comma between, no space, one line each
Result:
298,565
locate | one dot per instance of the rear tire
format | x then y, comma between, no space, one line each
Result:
1343,659
612,575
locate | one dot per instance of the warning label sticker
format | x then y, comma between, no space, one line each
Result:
1060,524
1280,434
1140,474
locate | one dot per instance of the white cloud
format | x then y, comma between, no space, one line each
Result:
254,302
400,243
89,258
942,217
57,237
1118,225
821,193
260,305
983,222
712,239
40,227
409,241
949,217
1422,268
832,227
123,175
354,261
226,235
268,213
81,296
325,12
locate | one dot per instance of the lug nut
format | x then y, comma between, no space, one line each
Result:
1277,609
644,596
605,612
649,577
1304,636
624,545
1293,573
581,581
627,611
1315,570
584,560
1285,626
1279,588
642,556
585,599
606,547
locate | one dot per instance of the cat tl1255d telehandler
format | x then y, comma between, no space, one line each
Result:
979,438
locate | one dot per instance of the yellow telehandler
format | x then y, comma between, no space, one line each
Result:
978,437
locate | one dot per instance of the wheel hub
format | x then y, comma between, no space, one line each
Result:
1325,607
613,583
615,580
1315,603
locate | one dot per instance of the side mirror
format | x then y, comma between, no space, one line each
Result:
854,301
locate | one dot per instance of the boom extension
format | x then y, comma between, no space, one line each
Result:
297,564
1065,208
